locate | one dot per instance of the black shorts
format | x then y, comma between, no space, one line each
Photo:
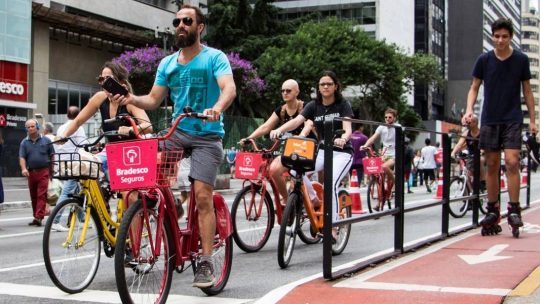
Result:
499,137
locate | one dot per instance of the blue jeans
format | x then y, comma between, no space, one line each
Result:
71,186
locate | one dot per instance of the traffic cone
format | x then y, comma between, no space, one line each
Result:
439,192
503,184
525,176
354,192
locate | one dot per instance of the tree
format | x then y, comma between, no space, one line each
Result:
373,70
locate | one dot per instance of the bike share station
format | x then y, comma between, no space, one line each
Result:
399,210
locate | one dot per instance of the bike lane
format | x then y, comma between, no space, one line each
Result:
469,269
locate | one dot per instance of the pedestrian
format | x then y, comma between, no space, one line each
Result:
35,152
48,130
408,158
428,163
200,77
231,159
438,158
282,114
503,71
329,103
418,169
71,186
358,139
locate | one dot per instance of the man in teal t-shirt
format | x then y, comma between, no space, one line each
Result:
200,77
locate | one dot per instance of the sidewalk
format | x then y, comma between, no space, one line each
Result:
467,268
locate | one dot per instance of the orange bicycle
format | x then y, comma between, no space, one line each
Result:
150,243
379,189
255,209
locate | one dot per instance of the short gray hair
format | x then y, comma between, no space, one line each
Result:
49,127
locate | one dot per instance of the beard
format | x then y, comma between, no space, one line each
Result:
185,41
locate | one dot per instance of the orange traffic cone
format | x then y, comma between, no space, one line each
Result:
525,176
503,183
354,192
439,192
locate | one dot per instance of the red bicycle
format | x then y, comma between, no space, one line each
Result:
379,189
151,244
255,210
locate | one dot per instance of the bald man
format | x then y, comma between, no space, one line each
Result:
283,113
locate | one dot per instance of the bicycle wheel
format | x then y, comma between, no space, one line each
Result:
141,275
222,259
373,194
252,218
305,231
71,262
457,189
288,230
344,231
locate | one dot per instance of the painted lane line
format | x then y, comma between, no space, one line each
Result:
20,234
432,288
529,285
487,256
99,296
16,219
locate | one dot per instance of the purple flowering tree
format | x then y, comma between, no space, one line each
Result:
249,89
142,65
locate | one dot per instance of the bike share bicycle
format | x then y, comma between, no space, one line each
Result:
299,156
461,186
254,209
72,256
379,189
150,242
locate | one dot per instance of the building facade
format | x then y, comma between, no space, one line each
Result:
530,45
52,51
469,34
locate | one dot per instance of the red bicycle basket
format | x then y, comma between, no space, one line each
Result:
167,167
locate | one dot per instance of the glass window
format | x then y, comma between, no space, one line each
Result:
52,99
18,15
63,94
62,101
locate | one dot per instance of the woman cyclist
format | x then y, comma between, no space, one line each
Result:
328,104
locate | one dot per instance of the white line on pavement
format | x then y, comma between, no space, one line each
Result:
20,234
431,288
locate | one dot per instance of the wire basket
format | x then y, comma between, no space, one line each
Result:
66,166
167,167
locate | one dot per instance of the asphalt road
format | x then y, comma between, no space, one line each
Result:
23,278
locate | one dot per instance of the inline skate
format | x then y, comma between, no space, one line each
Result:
490,223
514,218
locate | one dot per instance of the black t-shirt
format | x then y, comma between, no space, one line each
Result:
105,114
318,112
502,86
285,117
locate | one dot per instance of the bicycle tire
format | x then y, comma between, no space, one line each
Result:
250,231
288,230
306,233
222,259
373,194
141,274
344,231
458,188
66,261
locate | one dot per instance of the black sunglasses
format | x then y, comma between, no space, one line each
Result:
186,20
100,79
286,91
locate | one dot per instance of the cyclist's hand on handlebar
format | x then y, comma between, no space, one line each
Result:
60,140
212,114
275,134
339,142
123,130
363,148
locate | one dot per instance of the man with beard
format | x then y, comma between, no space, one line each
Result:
200,77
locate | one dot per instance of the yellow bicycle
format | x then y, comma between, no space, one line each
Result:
72,253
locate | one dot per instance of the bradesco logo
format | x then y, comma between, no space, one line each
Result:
131,157
11,88
248,165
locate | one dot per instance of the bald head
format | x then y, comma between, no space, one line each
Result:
72,112
290,90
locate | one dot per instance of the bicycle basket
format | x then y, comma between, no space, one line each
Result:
167,167
247,165
76,165
299,153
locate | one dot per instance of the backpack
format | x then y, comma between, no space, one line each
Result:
283,111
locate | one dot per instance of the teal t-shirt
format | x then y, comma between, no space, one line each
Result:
195,84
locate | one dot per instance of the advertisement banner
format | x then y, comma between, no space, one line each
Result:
247,165
372,165
13,81
132,164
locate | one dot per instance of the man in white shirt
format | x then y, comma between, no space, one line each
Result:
428,156
70,186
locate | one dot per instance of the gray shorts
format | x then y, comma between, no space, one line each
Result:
206,154
501,136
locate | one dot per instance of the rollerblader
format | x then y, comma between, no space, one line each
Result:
504,71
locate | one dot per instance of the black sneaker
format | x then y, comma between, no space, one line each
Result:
532,147
204,276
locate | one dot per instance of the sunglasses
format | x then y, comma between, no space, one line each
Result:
388,117
326,84
286,91
186,20
100,79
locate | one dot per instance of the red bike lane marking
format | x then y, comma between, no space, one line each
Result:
441,276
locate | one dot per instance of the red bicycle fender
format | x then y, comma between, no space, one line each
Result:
223,216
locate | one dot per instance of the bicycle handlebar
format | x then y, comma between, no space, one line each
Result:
274,147
88,145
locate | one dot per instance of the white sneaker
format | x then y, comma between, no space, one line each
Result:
59,228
